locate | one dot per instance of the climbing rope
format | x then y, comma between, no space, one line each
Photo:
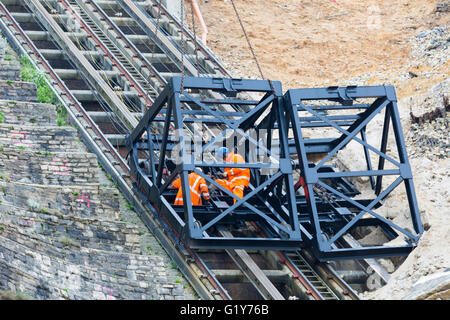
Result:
195,40
251,47
157,27
248,40
182,46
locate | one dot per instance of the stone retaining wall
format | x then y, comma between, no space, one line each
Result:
27,113
83,201
18,91
46,139
58,168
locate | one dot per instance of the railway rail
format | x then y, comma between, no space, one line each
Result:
107,64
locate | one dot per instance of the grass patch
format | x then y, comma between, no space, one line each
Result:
8,58
44,92
66,241
129,206
9,295
2,117
21,147
4,191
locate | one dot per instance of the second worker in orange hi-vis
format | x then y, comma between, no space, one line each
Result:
198,188
235,179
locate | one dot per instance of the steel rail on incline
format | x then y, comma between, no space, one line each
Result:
111,26
109,156
205,50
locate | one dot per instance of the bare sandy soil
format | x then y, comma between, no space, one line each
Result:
309,43
306,43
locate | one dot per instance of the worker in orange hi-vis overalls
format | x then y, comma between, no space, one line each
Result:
235,179
197,186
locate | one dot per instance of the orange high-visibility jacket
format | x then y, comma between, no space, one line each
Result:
197,185
237,177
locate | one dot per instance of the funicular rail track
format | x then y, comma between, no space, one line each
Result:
104,114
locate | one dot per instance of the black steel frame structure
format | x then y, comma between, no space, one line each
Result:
177,109
272,202
322,107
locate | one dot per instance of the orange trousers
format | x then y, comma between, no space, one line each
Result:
238,190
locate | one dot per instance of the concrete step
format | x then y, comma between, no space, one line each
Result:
48,168
81,201
30,17
18,91
71,74
56,54
44,35
87,95
19,112
39,138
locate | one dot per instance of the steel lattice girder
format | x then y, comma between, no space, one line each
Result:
176,109
315,103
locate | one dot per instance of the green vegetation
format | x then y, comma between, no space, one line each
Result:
141,233
66,241
4,190
44,211
129,206
9,81
2,228
2,118
47,153
174,265
32,120
21,147
44,92
9,295
177,281
75,193
8,58
12,102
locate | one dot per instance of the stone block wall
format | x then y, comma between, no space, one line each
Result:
43,138
27,113
57,168
82,201
61,232
18,91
